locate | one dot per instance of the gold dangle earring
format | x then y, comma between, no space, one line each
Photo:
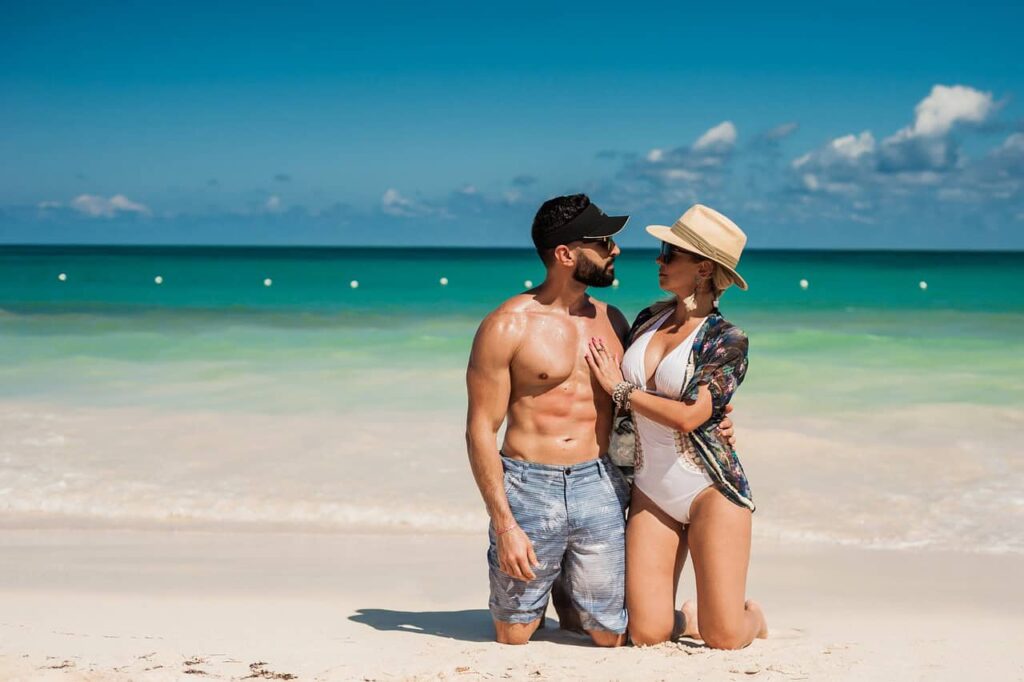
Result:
690,302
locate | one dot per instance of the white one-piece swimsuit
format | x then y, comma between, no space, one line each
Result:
672,474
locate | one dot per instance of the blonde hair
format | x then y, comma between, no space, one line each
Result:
720,281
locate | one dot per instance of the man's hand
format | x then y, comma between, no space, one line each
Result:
515,555
725,428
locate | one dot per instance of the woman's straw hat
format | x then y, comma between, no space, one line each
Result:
706,232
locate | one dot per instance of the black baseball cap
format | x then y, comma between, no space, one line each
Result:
592,223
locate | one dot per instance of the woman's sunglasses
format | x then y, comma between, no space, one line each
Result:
668,251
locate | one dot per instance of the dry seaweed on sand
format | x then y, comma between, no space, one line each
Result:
259,670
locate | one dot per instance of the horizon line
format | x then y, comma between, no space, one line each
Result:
412,247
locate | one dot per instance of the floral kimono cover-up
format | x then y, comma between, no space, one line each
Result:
719,361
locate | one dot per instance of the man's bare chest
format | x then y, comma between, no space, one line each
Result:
553,353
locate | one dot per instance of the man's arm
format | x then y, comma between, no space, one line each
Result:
489,385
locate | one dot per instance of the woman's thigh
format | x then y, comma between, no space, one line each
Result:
655,548
719,542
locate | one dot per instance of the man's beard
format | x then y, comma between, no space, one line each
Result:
593,275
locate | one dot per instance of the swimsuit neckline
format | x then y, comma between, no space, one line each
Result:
648,335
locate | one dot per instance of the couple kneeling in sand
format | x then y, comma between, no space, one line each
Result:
563,367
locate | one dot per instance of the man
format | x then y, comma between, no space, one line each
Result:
556,503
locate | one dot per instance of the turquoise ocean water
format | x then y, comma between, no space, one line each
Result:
864,331
875,412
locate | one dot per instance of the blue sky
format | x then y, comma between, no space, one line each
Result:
811,124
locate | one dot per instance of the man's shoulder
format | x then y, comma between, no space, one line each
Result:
612,314
603,308
511,316
518,304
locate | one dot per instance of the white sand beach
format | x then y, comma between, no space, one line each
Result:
124,605
143,543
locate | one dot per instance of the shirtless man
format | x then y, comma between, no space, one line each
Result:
554,500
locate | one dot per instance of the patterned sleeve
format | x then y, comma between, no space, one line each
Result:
721,367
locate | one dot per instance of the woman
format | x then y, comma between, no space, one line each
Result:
681,366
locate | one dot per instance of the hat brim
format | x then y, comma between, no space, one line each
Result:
606,226
665,234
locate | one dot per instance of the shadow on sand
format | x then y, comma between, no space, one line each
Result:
471,625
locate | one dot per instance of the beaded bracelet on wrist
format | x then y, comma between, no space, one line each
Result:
621,394
501,531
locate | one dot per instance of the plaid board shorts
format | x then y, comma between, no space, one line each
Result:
575,518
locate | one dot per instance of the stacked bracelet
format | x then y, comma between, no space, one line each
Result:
502,531
621,393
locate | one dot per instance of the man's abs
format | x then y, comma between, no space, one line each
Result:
573,433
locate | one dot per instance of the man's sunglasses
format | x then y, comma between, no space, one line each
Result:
607,242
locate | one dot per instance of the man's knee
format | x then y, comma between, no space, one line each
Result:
514,633
606,638
515,637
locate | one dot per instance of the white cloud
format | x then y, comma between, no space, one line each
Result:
1013,144
854,146
803,160
946,105
925,144
722,135
682,174
394,204
102,207
49,204
845,151
655,155
273,204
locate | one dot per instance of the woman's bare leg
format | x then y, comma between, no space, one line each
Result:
719,541
653,562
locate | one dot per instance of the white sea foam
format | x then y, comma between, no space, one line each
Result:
927,477
232,513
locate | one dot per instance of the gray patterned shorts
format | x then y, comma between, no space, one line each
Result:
575,518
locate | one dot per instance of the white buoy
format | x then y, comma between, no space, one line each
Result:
267,282
615,283
444,281
804,284
159,279
923,284
62,277
354,284
528,284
